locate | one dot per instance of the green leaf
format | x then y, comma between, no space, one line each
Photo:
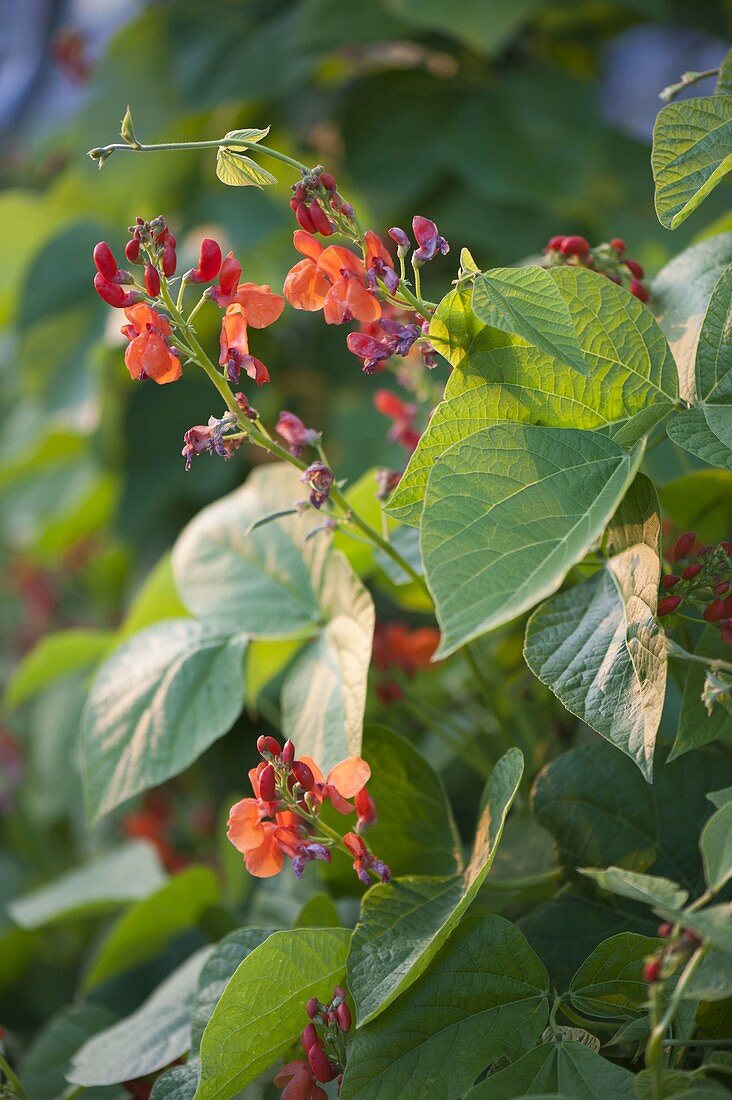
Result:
508,511
152,1037
44,1064
485,995
216,973
324,693
403,924
649,889
712,979
178,1083
697,726
610,982
159,701
260,1013
156,599
600,650
715,844
483,26
705,431
319,911
680,295
713,924
56,656
127,873
147,927
504,377
238,170
247,136
266,660
692,152
569,1068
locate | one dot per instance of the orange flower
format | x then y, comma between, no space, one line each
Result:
250,305
148,354
260,841
343,781
332,279
261,306
396,646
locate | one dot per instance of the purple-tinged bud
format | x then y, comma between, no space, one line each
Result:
288,752
429,240
320,479
308,1037
400,239
370,351
319,1064
104,261
343,1017
312,1007
268,784
303,775
132,250
152,280
268,744
339,991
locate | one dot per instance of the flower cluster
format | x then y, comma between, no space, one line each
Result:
701,577
318,206
679,946
323,1043
607,259
282,819
397,648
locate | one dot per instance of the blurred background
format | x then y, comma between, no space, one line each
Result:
506,121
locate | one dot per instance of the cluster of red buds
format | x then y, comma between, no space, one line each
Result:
323,1042
399,653
701,577
402,415
317,205
282,819
607,259
679,945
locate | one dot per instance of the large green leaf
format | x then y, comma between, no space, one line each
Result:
649,889
716,847
697,726
324,693
44,1064
598,645
692,152
705,431
147,927
159,701
499,376
178,1083
127,873
56,656
485,995
712,979
217,971
508,511
403,924
152,1037
264,581
680,295
566,1068
610,982
260,1013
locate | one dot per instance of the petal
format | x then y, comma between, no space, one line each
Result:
266,860
317,774
335,259
261,307
307,244
172,371
376,250
362,304
349,776
335,306
245,829
255,368
305,286
133,357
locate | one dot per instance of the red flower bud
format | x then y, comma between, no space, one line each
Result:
683,545
343,1016
664,930
668,604
721,588
638,290
104,260
308,1037
132,250
691,571
268,744
328,181
634,268
114,294
312,1007
288,752
319,1064
304,219
618,244
714,611
303,775
209,262
669,581
339,991
575,246
152,280
554,244
319,219
268,784
652,970
170,260
727,547
728,607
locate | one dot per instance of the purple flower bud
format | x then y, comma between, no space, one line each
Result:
294,432
429,240
320,479
382,271
400,239
306,853
370,351
401,337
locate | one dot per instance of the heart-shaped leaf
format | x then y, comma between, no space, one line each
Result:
692,152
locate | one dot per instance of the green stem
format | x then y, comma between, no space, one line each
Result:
660,1022
178,146
682,654
12,1079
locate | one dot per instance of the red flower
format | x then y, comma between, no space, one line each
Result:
332,279
299,1083
235,348
148,354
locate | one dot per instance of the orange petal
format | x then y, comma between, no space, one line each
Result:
245,829
306,244
335,259
305,286
362,304
350,776
267,859
144,318
375,249
261,307
233,333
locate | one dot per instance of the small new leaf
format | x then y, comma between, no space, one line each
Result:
127,130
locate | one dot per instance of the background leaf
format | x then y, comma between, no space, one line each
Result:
692,152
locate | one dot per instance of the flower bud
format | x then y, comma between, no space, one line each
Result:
668,604
683,545
312,1007
634,268
319,219
638,290
721,588
308,1037
575,246
664,930
114,294
691,571
288,752
714,611
170,260
400,239
152,280
652,970
328,181
104,261
209,262
319,1064
670,580
303,775
132,250
343,1017
268,784
618,244
554,244
268,744
304,219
